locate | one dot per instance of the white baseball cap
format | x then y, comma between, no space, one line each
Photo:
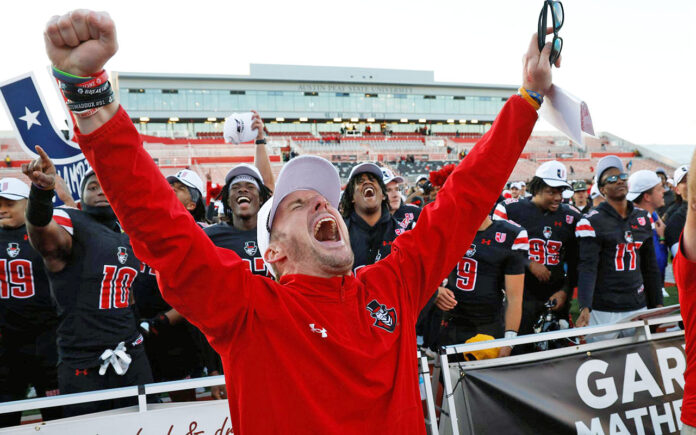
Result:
515,185
568,193
368,167
641,181
244,169
388,176
14,189
606,163
188,178
237,128
553,173
680,173
594,191
301,173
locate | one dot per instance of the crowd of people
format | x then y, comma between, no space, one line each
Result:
174,290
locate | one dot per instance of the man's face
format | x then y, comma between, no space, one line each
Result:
12,212
616,191
523,190
367,195
656,198
93,194
312,236
393,195
244,200
580,196
515,192
663,178
183,194
682,189
549,198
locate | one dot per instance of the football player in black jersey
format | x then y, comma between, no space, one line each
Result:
365,209
618,270
91,268
28,318
473,295
550,227
405,214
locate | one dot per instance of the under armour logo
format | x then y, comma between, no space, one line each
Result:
317,330
78,372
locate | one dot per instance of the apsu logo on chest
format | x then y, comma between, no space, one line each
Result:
385,318
547,232
250,248
471,251
13,249
641,221
122,254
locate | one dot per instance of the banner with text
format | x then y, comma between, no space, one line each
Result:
628,389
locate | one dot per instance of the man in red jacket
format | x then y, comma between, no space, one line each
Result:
320,350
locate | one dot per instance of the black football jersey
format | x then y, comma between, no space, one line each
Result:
93,291
478,279
674,227
552,242
617,260
243,243
407,215
27,307
371,243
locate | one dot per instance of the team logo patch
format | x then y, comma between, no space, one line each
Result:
408,218
399,231
385,318
500,237
628,236
569,219
250,248
641,221
547,232
13,249
122,254
471,251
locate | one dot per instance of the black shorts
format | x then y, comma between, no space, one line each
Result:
25,364
81,379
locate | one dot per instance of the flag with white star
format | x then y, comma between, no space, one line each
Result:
27,111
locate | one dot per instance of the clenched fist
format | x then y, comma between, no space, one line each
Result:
80,42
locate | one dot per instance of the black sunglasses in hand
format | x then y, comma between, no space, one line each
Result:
557,16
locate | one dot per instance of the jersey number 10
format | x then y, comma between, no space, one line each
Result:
115,287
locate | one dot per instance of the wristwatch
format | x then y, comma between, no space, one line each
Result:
260,141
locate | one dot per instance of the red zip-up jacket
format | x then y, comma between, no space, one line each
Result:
308,354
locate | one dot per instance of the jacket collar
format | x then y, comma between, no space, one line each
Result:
336,288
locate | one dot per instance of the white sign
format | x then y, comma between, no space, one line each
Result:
192,418
567,113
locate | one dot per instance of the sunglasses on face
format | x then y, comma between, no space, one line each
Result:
557,17
614,178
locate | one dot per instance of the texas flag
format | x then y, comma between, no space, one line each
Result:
26,109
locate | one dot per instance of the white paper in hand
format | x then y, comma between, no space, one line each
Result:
237,128
567,113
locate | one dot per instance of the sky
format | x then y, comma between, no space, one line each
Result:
631,61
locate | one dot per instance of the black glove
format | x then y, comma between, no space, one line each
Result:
155,325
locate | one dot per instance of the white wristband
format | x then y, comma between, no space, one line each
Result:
510,334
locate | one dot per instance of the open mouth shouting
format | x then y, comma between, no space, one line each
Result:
326,231
243,201
368,192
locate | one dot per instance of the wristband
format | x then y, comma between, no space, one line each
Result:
85,96
510,334
260,141
40,206
522,92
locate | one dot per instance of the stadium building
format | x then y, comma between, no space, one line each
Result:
309,99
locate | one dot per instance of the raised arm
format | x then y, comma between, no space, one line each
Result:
49,239
261,160
194,276
426,254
